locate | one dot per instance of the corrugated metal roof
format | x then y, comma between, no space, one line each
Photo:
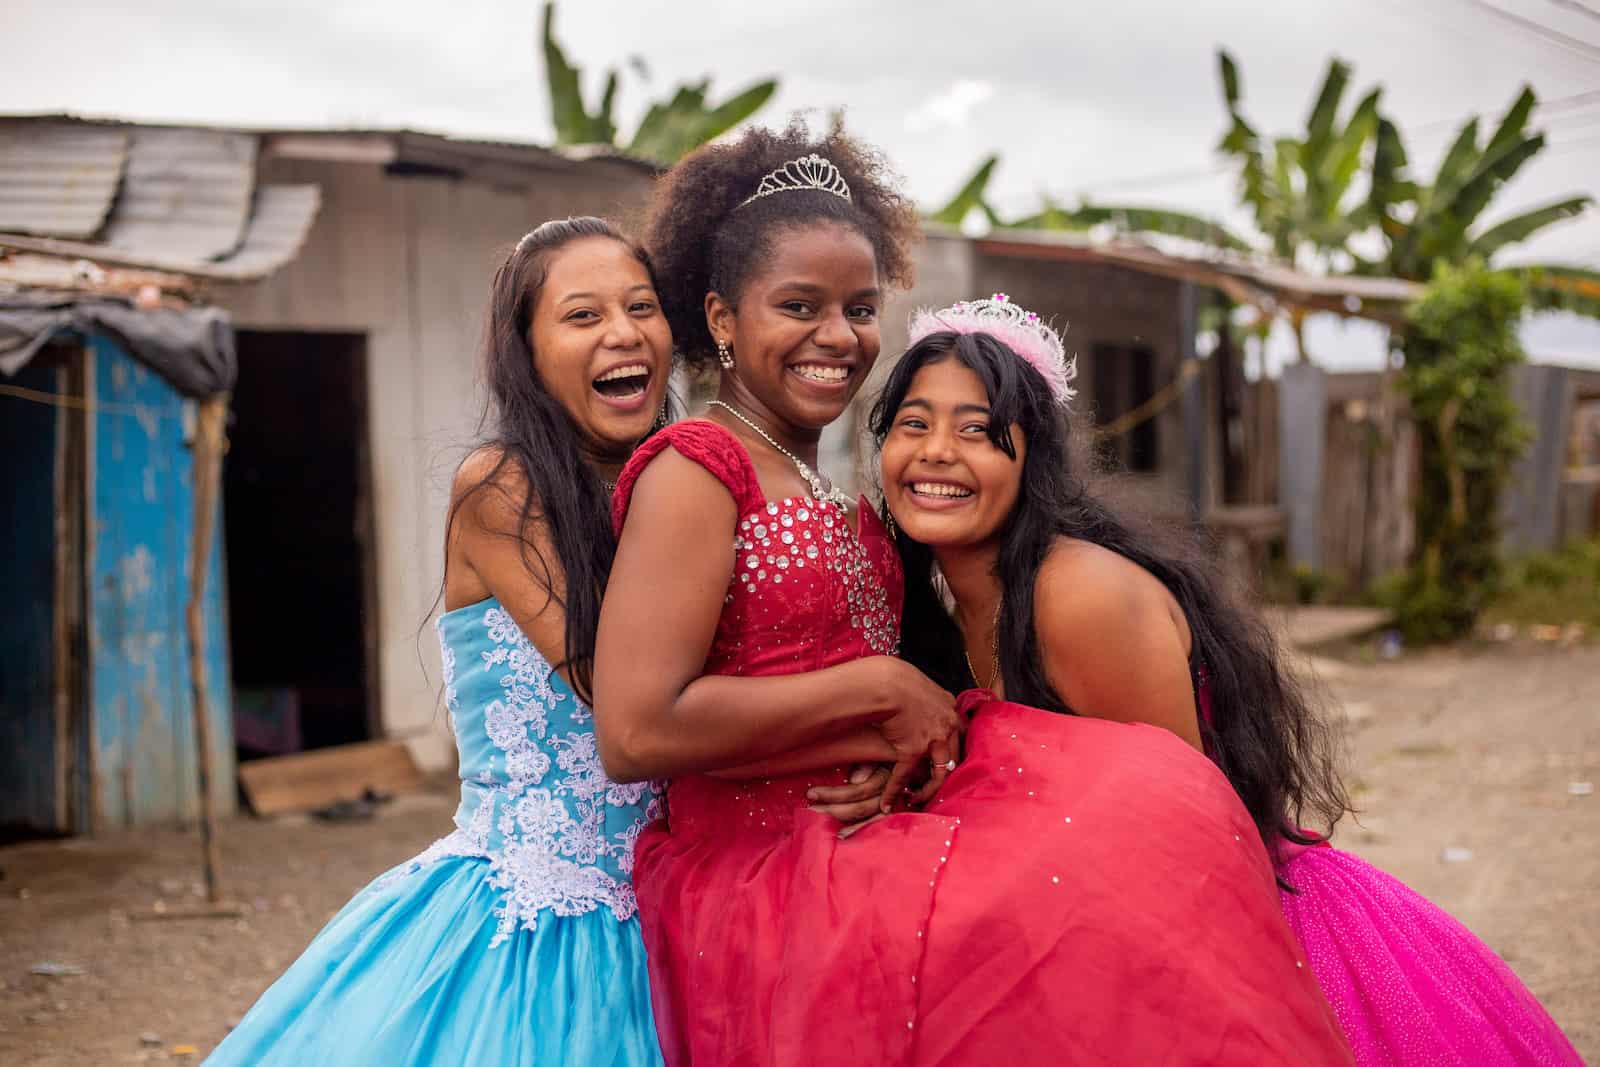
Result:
281,218
1245,279
185,195
173,199
279,223
58,179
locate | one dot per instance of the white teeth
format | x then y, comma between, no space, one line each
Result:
823,373
635,371
939,489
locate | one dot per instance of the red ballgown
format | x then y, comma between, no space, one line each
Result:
1080,892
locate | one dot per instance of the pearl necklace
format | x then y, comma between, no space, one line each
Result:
821,488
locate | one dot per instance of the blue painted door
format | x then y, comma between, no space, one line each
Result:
140,531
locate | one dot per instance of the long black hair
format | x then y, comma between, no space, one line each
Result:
538,461
1264,733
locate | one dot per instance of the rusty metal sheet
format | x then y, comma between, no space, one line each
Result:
58,179
185,195
279,223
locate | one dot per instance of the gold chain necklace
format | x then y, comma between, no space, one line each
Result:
821,488
994,653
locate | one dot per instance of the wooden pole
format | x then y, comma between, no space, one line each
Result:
209,441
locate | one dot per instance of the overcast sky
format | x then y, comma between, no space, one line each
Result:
1115,99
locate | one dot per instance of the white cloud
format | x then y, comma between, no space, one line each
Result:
953,107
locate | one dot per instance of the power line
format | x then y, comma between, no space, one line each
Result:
1572,44
1580,8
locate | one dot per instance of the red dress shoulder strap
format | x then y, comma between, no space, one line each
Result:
713,447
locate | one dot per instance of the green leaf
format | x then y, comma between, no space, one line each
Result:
1557,287
1513,122
970,196
1491,173
737,108
1229,72
567,113
1342,161
1521,227
1319,127
1456,166
1136,219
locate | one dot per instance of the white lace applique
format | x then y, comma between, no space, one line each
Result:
545,821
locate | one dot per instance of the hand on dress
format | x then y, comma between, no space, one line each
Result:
925,732
855,801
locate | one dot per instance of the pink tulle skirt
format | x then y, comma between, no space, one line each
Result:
1409,984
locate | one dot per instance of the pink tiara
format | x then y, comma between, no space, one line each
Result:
1018,329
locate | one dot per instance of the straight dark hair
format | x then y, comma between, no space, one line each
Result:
538,459
1264,733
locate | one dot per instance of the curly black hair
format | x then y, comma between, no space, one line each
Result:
702,240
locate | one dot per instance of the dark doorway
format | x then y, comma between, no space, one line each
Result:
1124,379
301,601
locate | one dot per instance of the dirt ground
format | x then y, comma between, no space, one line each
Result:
1467,764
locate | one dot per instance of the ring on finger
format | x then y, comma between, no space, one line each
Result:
950,765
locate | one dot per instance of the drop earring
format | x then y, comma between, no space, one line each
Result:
724,355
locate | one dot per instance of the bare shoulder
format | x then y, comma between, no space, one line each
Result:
489,490
1084,590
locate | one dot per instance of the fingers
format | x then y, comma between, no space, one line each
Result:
866,787
850,831
853,812
898,777
939,754
861,772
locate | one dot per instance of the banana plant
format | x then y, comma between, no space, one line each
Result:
568,113
1425,224
1052,215
1304,194
670,128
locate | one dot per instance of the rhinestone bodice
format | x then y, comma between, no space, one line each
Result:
806,593
535,800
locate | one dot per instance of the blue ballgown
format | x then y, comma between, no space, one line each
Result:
515,939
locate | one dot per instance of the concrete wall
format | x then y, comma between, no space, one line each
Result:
407,261
1093,304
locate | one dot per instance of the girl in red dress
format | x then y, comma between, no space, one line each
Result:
1046,903
1060,604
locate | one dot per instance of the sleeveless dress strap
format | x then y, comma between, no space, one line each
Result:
713,447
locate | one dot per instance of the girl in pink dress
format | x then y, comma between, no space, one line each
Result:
1059,604
1044,906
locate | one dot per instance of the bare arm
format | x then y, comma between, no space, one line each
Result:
864,744
1113,642
656,717
490,553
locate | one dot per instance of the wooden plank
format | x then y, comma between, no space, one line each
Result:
307,781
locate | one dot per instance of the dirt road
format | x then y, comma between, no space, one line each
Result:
1467,764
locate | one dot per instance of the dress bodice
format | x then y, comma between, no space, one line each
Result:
807,593
535,800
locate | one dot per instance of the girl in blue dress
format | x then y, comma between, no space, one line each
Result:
513,940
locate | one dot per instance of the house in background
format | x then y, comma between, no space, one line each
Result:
107,235
351,273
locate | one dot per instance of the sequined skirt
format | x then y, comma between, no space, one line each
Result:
1410,984
1080,892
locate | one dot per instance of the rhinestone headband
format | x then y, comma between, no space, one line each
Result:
1020,330
798,175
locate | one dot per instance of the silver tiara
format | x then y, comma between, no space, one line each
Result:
797,175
